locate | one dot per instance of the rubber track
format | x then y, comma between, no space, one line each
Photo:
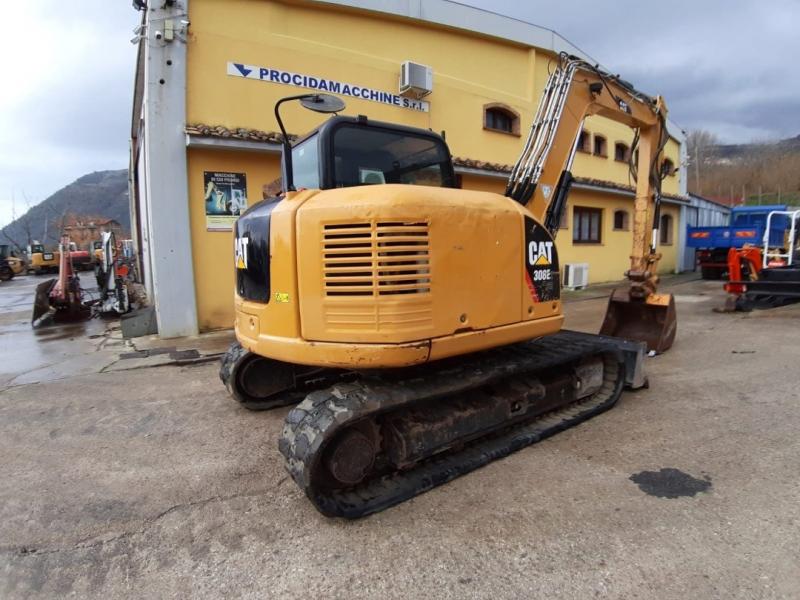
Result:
323,414
227,373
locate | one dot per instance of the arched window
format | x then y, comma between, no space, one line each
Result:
500,118
621,152
600,146
668,167
585,141
621,220
665,230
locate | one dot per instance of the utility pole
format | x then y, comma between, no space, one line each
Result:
697,166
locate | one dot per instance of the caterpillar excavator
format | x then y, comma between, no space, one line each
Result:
419,325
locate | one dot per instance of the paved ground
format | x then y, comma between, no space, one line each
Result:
150,482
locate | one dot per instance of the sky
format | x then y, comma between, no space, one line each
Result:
723,65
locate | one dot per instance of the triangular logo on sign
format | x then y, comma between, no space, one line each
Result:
542,261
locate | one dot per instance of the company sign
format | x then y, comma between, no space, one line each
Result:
323,84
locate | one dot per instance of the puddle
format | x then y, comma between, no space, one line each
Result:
670,483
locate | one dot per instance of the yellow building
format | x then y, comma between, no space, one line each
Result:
204,141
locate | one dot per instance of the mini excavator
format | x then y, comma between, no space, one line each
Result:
419,325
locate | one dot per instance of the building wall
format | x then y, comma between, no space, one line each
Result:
212,251
470,71
609,259
606,168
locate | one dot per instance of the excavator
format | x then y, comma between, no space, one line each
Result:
419,325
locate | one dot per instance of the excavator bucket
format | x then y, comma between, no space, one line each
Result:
43,311
652,321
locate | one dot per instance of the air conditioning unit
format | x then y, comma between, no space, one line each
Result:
416,80
576,275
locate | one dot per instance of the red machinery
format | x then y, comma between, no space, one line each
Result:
60,299
766,277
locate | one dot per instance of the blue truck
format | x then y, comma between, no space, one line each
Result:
746,226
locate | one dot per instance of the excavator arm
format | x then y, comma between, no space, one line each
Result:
542,177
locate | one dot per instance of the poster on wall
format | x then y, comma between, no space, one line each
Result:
226,199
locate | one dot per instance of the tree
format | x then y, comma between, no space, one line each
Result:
700,145
22,223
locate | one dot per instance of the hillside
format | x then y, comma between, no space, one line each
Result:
99,194
756,173
734,151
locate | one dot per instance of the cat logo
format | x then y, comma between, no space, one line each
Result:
241,252
540,254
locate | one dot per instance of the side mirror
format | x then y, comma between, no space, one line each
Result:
321,103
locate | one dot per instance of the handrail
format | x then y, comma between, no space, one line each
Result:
793,215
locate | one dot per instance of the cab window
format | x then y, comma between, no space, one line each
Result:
373,156
305,164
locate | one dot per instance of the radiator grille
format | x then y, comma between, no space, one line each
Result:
376,259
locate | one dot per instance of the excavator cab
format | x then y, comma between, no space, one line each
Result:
354,151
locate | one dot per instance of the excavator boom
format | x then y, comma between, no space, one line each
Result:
542,177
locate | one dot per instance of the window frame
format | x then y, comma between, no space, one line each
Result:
626,220
577,213
586,137
626,154
507,111
666,235
603,140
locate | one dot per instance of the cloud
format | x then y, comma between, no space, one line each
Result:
722,65
69,111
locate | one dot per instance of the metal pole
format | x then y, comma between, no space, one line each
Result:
697,167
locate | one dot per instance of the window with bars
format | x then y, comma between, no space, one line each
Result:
587,224
621,152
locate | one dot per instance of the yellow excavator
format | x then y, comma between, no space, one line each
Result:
419,325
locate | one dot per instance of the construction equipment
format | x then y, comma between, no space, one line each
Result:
10,265
60,299
747,225
111,278
769,276
421,323
41,261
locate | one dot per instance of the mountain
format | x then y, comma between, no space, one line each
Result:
725,152
98,194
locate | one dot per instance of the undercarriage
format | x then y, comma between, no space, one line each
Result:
359,443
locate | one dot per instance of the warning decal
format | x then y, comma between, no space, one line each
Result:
542,274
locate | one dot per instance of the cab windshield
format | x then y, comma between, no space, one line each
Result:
370,156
